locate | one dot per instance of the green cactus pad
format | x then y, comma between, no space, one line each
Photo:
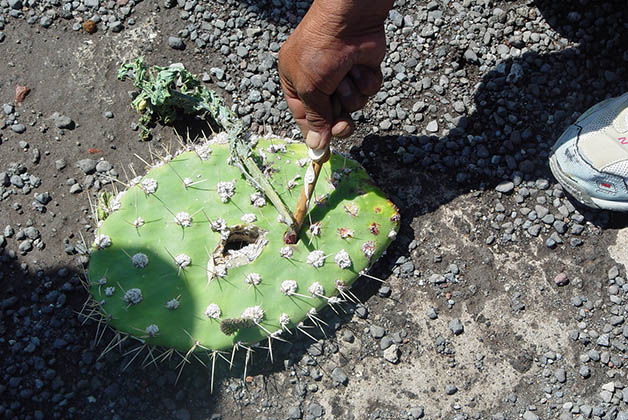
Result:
192,255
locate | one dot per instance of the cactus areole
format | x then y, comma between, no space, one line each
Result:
191,254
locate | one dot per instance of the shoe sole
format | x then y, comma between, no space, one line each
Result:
580,194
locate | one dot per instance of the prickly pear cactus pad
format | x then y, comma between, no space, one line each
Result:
191,256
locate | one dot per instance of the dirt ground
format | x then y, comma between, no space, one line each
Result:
515,316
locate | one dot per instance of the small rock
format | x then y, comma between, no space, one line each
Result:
89,26
516,73
314,410
18,128
25,246
560,375
384,291
15,4
17,181
609,386
432,126
31,233
417,412
60,164
450,389
385,342
315,349
8,109
470,56
242,51
437,279
505,187
361,311
294,412
43,198
339,376
45,21
217,72
176,43
431,313
391,354
529,415
255,96
603,340
561,279
103,166
88,166
116,26
606,396
377,331
613,272
456,327
62,121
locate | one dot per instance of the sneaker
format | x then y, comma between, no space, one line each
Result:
590,159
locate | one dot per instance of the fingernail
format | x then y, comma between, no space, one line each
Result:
355,72
344,88
313,139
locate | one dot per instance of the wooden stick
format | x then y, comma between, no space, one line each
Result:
311,176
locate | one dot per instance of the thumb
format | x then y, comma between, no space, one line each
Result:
320,117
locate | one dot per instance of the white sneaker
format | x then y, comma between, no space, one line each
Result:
590,159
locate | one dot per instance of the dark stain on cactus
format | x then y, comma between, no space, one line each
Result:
345,233
231,326
290,237
374,228
377,210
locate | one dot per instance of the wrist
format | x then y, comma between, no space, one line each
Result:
346,17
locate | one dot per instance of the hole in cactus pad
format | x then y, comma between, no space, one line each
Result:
242,245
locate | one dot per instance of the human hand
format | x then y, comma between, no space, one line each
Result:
330,65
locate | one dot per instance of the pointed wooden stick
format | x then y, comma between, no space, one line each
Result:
319,157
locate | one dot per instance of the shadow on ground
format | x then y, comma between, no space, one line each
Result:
520,108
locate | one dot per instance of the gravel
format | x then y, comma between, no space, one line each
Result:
474,94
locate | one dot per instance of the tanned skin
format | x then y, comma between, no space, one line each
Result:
330,65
